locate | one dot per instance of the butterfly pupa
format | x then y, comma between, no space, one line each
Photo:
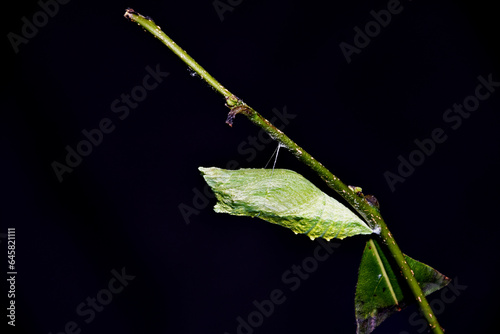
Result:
282,197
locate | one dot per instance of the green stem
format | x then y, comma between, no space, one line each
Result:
148,24
368,211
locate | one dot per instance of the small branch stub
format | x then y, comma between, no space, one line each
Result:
234,111
129,12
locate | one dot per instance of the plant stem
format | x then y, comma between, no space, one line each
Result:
148,24
368,211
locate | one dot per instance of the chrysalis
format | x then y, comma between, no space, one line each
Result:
285,198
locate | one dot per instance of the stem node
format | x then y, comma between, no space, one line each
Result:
236,110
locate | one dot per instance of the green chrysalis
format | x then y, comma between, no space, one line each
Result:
282,197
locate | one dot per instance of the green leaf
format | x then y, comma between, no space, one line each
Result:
282,197
380,292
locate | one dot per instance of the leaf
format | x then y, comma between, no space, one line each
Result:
282,197
379,291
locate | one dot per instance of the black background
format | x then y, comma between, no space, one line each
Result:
119,208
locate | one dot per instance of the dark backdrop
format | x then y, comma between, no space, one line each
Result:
135,206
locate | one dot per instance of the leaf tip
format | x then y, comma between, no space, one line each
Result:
207,170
